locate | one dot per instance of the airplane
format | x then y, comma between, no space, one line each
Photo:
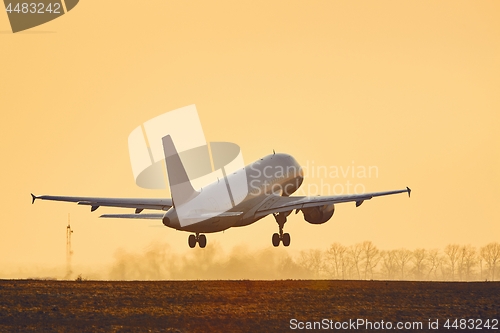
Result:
270,183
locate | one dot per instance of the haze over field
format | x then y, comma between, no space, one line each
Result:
406,90
361,261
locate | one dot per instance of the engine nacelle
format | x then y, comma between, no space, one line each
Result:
318,214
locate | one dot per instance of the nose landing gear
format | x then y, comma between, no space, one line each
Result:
200,239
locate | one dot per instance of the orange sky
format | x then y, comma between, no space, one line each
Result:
412,88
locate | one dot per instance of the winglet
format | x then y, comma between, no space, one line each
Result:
409,191
33,198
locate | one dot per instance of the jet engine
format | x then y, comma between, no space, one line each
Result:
318,214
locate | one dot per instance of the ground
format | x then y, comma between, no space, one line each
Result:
238,306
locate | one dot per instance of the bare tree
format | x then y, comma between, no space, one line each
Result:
452,252
348,269
370,256
403,256
335,257
312,261
288,268
482,274
491,256
389,263
419,259
467,261
355,251
434,260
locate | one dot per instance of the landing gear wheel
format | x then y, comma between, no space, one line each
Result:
286,239
276,239
202,241
192,241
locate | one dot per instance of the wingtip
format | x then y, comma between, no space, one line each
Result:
409,191
33,198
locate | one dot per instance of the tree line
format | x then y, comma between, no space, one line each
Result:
364,261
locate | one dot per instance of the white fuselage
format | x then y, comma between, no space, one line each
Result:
214,210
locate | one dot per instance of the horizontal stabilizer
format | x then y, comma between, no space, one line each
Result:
217,214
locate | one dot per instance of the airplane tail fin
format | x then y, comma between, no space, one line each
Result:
180,186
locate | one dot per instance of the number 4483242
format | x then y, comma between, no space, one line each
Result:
471,324
34,8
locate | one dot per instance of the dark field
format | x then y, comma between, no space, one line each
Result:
236,306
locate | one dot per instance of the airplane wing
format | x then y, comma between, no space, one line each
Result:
139,204
133,216
277,204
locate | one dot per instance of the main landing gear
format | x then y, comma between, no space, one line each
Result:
200,239
281,237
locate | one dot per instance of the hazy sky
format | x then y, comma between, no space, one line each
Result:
411,88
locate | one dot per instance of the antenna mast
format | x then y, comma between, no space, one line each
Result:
69,252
